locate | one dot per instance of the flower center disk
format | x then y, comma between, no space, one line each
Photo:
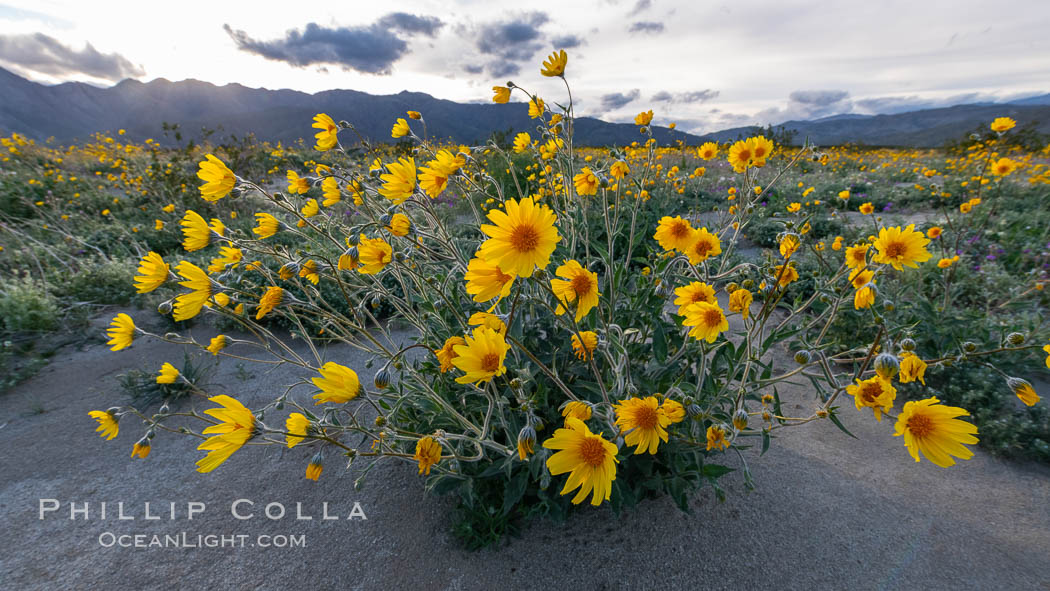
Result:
592,452
490,362
646,417
920,425
870,392
525,238
581,284
895,249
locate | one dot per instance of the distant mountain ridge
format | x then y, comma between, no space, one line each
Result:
927,128
73,110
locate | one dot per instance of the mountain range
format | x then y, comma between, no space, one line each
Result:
73,111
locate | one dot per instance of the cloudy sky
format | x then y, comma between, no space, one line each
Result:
705,65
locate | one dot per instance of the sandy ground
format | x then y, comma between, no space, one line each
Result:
829,511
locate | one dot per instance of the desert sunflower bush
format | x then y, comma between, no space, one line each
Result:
574,338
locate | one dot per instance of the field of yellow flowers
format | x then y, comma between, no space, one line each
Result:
592,324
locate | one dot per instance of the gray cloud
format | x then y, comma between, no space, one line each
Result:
501,68
410,23
515,39
510,41
696,96
901,104
616,100
372,49
646,27
567,41
819,98
807,104
473,68
46,55
640,6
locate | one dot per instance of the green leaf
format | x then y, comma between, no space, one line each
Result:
713,471
659,342
765,442
601,251
445,484
834,419
776,405
514,490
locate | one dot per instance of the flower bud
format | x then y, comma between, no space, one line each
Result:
526,441
802,357
1015,338
141,448
164,308
907,345
382,378
1023,390
969,346
516,384
887,365
740,419
888,305
540,275
380,420
315,467
1016,384
536,422
290,269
